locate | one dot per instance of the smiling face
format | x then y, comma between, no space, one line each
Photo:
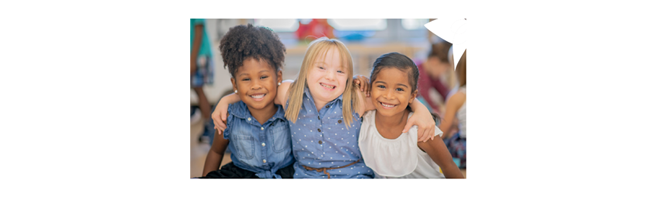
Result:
327,78
256,82
391,92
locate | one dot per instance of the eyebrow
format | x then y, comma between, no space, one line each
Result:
249,73
399,84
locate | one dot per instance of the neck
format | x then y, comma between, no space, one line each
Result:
319,104
262,115
392,122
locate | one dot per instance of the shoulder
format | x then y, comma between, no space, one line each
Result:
283,92
458,98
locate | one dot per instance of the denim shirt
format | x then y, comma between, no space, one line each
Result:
260,148
321,139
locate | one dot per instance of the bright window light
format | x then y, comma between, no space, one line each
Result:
358,24
278,25
414,24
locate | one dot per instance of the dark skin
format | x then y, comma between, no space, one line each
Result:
204,105
256,85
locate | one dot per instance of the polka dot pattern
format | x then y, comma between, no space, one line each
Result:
321,139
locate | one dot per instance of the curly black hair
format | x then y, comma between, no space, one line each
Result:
242,42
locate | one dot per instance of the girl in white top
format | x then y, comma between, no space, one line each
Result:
385,149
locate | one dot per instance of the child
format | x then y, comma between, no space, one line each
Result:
257,132
456,108
386,150
317,104
437,65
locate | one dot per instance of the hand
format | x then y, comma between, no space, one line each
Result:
362,83
426,126
219,121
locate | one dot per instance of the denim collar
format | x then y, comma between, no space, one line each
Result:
240,110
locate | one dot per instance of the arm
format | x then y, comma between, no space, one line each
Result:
220,114
452,105
365,102
215,154
437,150
423,119
198,34
283,92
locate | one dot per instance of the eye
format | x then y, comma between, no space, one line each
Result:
400,89
340,71
245,79
320,67
381,86
264,77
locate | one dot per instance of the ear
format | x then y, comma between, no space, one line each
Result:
233,83
279,76
413,96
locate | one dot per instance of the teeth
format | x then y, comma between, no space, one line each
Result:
385,105
327,86
258,96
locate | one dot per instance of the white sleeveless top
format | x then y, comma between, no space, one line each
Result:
462,115
395,158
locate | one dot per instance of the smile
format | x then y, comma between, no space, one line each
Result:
387,105
258,97
328,87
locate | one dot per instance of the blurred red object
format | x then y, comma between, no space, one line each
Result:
315,29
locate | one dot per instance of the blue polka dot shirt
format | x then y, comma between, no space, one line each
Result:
320,139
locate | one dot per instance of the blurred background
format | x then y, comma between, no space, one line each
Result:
366,39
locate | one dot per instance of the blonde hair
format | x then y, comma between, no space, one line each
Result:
461,69
317,48
451,77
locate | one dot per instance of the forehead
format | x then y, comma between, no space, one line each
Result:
392,75
251,65
329,55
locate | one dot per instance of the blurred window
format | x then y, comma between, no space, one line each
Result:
414,24
278,25
358,24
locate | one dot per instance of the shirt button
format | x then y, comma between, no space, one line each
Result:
264,160
262,128
318,118
249,119
328,106
339,121
263,144
319,130
319,141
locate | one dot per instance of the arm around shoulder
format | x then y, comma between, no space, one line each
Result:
283,92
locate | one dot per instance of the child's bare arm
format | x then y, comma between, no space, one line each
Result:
220,114
283,92
452,105
215,154
437,150
423,119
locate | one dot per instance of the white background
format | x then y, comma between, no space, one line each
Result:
565,101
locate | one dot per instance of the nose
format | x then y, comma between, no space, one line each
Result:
255,85
389,95
330,75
